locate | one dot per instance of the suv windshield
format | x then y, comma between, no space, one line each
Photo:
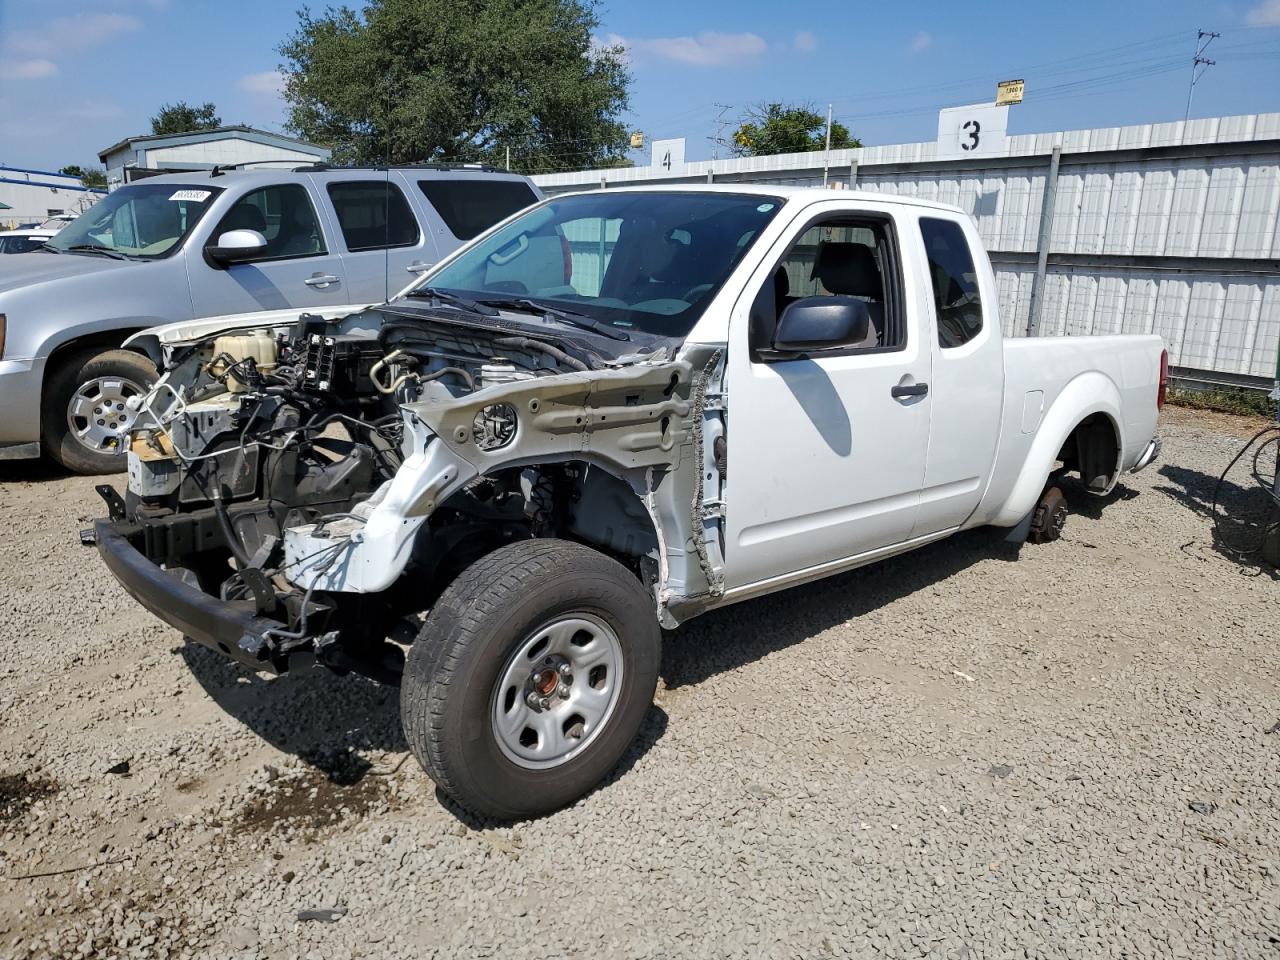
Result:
146,220
643,260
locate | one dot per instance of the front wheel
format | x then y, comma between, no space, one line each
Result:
530,678
85,419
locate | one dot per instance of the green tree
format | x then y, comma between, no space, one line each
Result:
778,128
89,176
407,81
183,117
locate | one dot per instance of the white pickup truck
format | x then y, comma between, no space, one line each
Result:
608,414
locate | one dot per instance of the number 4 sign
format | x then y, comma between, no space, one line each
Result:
668,156
974,131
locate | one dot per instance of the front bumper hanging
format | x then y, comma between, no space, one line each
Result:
233,628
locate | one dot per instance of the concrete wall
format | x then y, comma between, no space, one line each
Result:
1157,228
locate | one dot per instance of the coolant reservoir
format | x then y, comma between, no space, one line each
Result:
258,344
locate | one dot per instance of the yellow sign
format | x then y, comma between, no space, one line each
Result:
637,140
1008,91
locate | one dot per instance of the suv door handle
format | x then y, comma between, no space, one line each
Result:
418,267
900,390
320,280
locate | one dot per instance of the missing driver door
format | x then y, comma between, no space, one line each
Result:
826,453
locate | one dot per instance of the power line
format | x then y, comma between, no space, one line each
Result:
1199,65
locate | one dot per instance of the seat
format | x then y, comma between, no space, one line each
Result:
850,270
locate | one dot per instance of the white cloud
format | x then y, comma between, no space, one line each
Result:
805,41
921,42
27,69
1265,14
269,82
708,49
80,31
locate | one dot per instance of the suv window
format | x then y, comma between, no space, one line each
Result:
284,215
470,207
373,214
846,257
955,282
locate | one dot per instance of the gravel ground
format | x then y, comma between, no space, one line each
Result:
970,751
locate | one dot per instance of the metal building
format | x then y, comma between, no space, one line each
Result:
137,157
33,196
1168,228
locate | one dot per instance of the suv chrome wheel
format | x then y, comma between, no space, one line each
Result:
98,413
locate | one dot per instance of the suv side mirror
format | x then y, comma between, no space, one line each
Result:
236,246
822,323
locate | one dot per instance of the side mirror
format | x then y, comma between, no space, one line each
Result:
236,246
822,323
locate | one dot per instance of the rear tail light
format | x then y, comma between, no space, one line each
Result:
1164,379
568,259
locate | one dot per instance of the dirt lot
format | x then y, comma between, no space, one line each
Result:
971,751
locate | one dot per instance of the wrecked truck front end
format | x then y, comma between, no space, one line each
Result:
294,496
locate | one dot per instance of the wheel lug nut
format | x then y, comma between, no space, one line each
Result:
545,703
563,691
533,700
566,670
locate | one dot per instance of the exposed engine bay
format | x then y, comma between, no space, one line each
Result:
334,476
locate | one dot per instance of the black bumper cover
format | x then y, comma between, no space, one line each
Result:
232,628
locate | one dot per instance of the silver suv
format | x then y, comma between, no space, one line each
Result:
188,246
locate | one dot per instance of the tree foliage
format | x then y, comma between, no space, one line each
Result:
183,117
777,128
406,81
89,176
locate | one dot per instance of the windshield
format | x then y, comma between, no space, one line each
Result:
146,220
648,261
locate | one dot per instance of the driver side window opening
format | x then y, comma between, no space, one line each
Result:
836,256
284,215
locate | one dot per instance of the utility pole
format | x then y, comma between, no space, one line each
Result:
718,140
1199,64
826,160
508,157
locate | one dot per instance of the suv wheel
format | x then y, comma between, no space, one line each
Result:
85,420
530,678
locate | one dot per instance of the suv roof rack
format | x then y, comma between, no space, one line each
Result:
426,165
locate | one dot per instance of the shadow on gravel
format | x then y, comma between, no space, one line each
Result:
319,716
1244,513
725,639
1086,504
651,731
31,471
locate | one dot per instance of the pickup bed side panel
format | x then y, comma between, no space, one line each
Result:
1053,383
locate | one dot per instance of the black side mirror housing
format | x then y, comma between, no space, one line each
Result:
822,323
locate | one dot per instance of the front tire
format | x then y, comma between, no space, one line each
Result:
530,678
84,420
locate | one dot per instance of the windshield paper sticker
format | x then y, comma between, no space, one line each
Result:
195,196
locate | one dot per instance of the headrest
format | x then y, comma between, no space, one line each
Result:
244,216
848,269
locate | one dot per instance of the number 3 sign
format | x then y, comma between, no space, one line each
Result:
975,131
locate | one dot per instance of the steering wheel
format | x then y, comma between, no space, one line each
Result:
693,293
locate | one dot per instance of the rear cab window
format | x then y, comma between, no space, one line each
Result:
470,206
373,214
956,300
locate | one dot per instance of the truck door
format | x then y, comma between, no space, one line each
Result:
299,267
385,246
968,372
826,453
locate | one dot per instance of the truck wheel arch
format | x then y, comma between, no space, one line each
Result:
1085,416
100,340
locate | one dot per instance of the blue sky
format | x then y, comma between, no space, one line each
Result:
79,75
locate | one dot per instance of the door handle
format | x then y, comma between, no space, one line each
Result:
320,280
418,267
901,390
